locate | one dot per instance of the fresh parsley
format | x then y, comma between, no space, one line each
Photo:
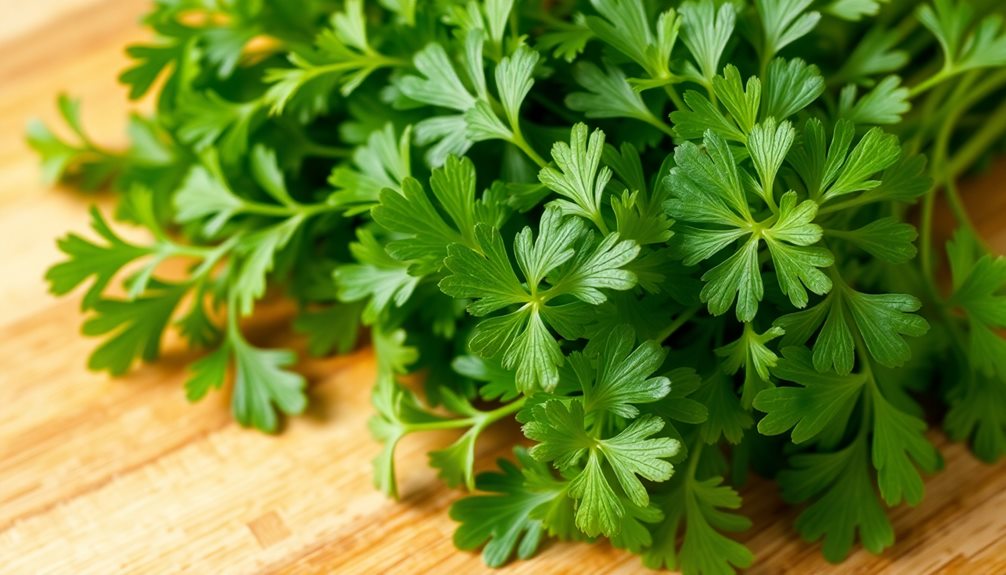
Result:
650,232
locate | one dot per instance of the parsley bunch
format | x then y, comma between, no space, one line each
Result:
674,240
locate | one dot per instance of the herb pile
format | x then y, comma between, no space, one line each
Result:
673,240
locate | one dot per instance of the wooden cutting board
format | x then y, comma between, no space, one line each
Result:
124,476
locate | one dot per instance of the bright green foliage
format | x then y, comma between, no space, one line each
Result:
652,233
621,378
262,382
820,405
609,95
751,353
706,31
576,264
526,501
564,439
383,162
342,58
709,189
87,259
426,233
133,328
578,178
884,104
625,26
966,44
980,290
847,319
835,479
700,512
819,410
784,22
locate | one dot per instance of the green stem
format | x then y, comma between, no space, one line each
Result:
482,419
672,93
280,211
322,151
926,235
693,459
598,220
978,143
656,123
929,83
678,322
708,83
521,143
957,207
212,257
233,330
438,425
927,111
946,172
929,203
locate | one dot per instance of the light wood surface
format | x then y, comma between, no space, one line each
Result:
124,476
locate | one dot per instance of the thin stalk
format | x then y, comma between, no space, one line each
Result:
672,93
598,220
282,211
926,235
482,419
322,151
678,322
978,143
521,143
693,460
929,83
656,123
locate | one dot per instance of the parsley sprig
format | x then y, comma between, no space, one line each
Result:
651,233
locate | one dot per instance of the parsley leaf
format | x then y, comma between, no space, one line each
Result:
697,511
88,260
708,189
563,438
413,214
625,26
964,47
823,400
980,290
622,376
382,163
512,515
784,22
750,352
521,337
706,30
579,177
379,279
134,328
342,57
975,414
609,95
845,316
837,478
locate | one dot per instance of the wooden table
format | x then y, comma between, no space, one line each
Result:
124,476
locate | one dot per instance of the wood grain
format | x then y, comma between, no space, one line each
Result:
124,476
